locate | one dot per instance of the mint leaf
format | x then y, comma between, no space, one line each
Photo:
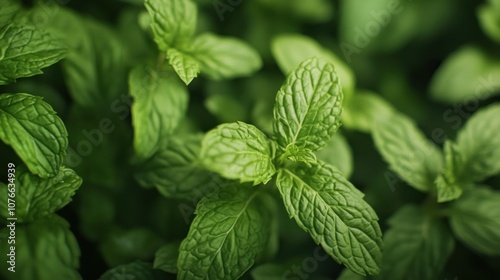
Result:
24,51
44,248
364,110
166,257
475,220
133,271
489,18
159,105
186,66
229,232
37,197
414,158
175,169
347,274
224,58
308,106
238,151
467,74
34,131
479,144
8,12
173,22
450,184
290,50
337,153
333,212
95,66
416,246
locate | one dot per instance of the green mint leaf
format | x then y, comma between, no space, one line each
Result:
123,246
224,58
416,246
133,271
238,151
414,158
173,22
44,248
160,103
268,271
166,257
34,131
229,232
468,74
37,197
333,212
308,106
364,110
185,65
313,11
450,183
347,274
479,144
8,12
337,153
290,50
95,65
294,153
175,169
24,51
489,18
475,220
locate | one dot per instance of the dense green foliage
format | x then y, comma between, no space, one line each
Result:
214,139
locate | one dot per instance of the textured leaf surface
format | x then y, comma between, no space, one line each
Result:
186,66
415,247
479,144
173,22
230,230
224,58
475,220
44,248
290,50
414,158
159,106
238,151
166,257
34,131
175,169
450,183
308,106
37,197
333,212
24,51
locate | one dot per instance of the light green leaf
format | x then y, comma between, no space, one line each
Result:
337,153
475,220
467,74
479,144
37,197
308,106
238,151
159,106
312,10
24,51
415,247
333,212
229,232
224,58
44,248
8,12
450,183
364,110
173,21
186,66
133,271
166,257
414,158
489,18
175,169
294,153
290,50
34,131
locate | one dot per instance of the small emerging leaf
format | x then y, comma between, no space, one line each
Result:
186,66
